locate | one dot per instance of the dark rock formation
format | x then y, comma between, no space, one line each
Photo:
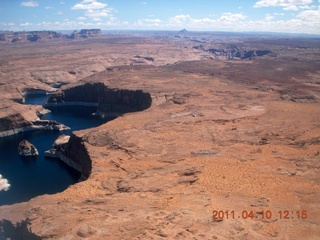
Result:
117,102
74,35
16,123
13,121
90,33
76,155
183,31
146,58
108,102
86,33
73,153
34,36
234,52
19,230
31,36
26,149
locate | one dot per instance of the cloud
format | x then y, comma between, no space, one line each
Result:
268,17
291,8
26,24
179,19
30,4
281,3
227,21
155,20
96,15
89,5
288,5
232,17
94,10
4,184
311,16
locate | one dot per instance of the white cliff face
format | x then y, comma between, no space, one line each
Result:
4,184
27,149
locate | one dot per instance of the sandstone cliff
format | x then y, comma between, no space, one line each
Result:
13,121
108,101
77,155
31,36
16,118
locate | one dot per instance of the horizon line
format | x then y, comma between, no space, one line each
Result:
170,30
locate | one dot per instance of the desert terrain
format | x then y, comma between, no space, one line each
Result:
233,130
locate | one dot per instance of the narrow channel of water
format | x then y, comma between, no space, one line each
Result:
34,176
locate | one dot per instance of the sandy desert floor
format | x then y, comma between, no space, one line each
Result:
236,138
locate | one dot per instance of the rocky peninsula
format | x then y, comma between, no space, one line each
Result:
16,123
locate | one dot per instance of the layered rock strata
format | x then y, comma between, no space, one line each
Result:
108,102
72,151
16,124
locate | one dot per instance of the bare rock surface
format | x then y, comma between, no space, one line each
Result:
61,140
217,137
26,149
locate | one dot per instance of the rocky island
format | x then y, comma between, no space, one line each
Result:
27,149
200,133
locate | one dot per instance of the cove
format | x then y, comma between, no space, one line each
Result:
34,176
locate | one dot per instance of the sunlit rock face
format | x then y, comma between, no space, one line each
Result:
26,149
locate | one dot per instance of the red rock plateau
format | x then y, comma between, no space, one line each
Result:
232,135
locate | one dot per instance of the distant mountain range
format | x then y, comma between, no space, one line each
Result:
34,36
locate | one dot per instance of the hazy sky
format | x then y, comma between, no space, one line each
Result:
296,16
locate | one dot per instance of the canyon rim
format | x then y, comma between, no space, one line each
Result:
205,125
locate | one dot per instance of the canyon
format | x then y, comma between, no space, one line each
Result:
196,132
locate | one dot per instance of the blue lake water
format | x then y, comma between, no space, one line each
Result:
34,176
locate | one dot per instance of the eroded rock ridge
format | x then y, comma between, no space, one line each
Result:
34,36
107,101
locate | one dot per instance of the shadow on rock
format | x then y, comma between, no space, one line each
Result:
18,231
